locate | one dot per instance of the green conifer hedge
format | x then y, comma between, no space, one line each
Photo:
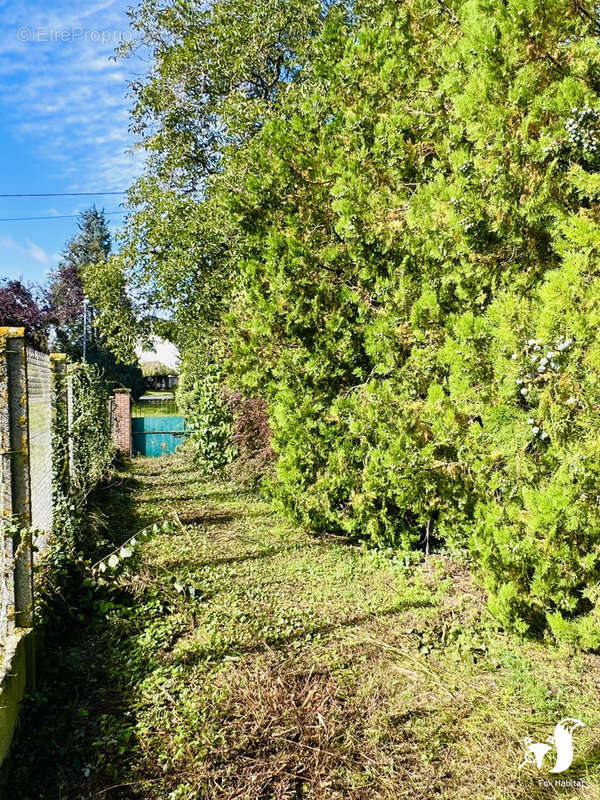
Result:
397,205
420,272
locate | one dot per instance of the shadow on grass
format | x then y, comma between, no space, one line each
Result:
207,519
76,734
221,652
259,555
147,495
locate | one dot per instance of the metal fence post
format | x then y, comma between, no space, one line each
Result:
70,443
60,421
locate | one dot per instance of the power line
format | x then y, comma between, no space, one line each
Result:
64,194
58,216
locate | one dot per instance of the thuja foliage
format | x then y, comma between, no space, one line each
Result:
421,275
405,235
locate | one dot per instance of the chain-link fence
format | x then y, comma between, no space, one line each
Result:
39,389
26,458
55,446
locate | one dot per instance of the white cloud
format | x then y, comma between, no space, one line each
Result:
68,99
31,250
37,253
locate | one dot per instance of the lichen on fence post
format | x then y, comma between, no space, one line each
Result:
7,585
16,501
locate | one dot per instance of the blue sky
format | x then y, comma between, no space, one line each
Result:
64,117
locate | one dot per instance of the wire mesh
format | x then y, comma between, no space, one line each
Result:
7,591
160,405
40,443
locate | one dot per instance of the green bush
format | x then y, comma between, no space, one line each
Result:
399,211
420,230
202,400
537,532
91,434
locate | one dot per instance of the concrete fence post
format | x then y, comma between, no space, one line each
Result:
122,437
7,586
16,499
17,661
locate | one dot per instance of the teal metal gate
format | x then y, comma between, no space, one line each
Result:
156,427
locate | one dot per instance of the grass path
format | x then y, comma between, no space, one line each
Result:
239,657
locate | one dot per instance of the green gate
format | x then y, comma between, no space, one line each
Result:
157,427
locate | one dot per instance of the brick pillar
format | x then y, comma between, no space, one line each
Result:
122,421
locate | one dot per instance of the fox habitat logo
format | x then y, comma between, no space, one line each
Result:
561,742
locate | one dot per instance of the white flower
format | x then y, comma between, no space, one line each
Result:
535,430
530,421
571,401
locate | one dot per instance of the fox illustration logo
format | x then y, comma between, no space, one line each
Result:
562,741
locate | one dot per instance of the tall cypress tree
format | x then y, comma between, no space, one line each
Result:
65,293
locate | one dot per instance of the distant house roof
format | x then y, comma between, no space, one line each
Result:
150,368
163,353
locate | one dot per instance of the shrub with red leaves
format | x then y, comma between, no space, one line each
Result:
251,437
19,308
